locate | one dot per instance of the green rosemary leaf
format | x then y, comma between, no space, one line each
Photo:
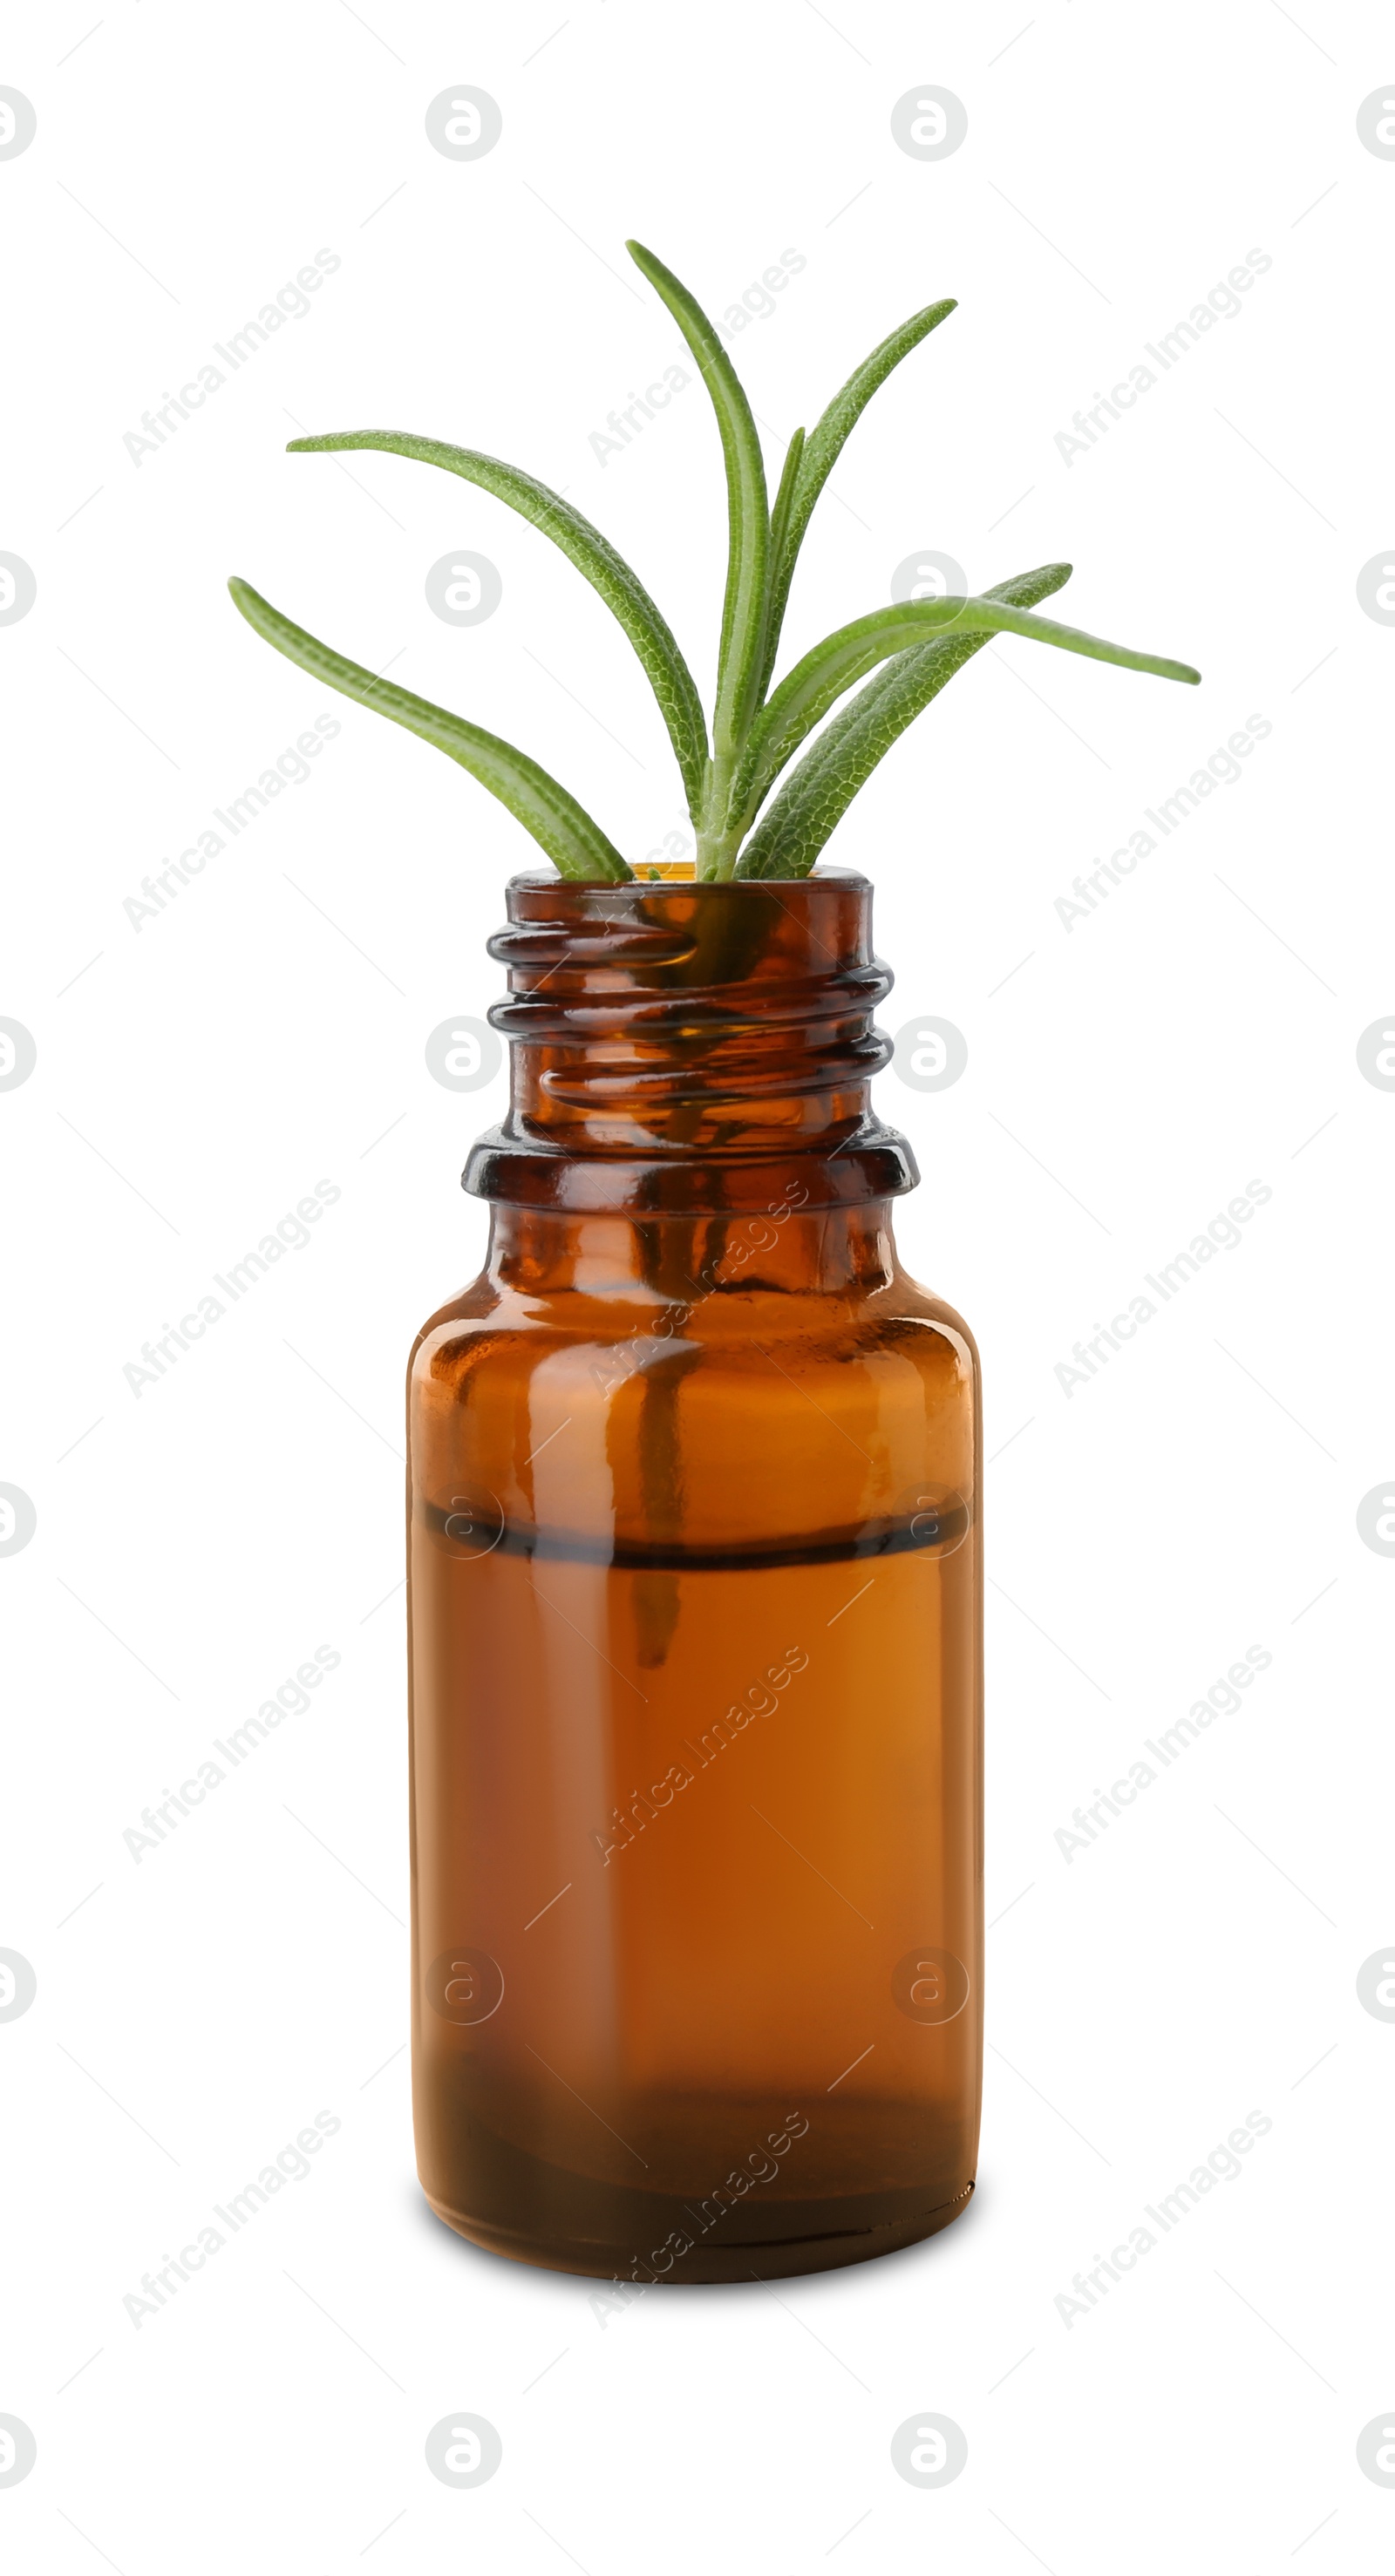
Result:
817,794
576,845
607,571
784,501
804,698
743,610
822,449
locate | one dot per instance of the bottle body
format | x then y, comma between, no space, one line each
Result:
695,1609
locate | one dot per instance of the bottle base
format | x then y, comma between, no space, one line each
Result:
770,2258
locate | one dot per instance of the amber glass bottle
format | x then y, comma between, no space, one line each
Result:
695,1616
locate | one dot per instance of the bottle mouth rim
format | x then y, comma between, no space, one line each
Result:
677,875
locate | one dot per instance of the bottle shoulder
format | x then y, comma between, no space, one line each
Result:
490,1328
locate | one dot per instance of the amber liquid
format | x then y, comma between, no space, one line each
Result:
702,1856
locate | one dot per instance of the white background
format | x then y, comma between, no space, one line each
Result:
1126,1078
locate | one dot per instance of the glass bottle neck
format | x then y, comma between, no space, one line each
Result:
690,1050
677,1261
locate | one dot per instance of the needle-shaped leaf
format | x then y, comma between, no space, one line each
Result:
784,498
822,449
576,845
817,794
607,571
811,688
741,652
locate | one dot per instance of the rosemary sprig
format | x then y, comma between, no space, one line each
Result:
913,649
